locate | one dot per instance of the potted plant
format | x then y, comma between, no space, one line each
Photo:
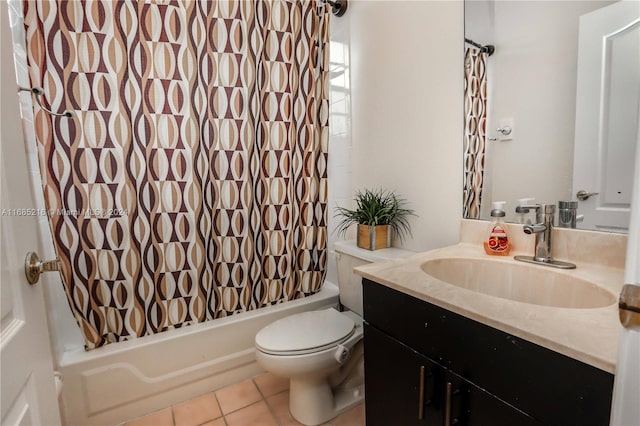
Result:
378,214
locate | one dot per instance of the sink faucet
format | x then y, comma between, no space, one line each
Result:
543,230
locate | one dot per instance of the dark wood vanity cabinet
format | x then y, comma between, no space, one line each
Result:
425,365
403,387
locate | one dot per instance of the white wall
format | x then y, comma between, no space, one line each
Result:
532,79
479,21
407,117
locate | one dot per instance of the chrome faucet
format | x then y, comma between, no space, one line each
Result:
543,230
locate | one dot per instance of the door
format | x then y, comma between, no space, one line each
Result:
27,395
607,102
625,409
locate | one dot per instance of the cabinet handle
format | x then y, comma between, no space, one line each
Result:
447,406
421,393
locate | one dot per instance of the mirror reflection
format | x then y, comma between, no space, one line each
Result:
553,110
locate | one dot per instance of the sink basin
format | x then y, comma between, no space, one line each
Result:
520,282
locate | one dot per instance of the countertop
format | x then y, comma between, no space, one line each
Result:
588,335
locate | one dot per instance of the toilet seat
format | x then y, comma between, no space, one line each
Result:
306,332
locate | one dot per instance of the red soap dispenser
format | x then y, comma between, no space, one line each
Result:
497,241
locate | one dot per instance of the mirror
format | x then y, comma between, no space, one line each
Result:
526,136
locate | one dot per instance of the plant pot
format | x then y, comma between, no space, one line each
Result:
374,237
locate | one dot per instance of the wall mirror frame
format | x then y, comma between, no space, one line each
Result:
538,122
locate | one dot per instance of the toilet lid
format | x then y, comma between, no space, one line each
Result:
304,331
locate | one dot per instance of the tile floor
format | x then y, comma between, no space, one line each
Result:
261,401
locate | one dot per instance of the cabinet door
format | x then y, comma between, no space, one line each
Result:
467,404
401,386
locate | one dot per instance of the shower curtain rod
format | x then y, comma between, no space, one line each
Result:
488,49
338,7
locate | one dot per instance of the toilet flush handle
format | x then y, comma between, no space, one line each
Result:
341,354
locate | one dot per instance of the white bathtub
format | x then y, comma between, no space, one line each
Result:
122,381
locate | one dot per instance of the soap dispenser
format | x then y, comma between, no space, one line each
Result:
497,241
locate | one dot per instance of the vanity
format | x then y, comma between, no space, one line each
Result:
453,336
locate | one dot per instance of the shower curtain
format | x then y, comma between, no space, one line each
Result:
475,117
191,182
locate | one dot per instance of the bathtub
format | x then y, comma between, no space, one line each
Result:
122,381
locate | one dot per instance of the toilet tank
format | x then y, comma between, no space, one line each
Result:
349,256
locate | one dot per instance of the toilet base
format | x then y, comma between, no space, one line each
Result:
313,402
316,400
324,383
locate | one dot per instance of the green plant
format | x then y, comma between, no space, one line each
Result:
376,207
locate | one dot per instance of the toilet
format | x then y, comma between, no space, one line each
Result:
321,352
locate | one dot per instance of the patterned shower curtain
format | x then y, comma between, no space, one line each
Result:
475,117
191,183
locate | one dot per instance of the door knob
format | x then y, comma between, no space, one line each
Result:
583,195
629,306
505,130
33,267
